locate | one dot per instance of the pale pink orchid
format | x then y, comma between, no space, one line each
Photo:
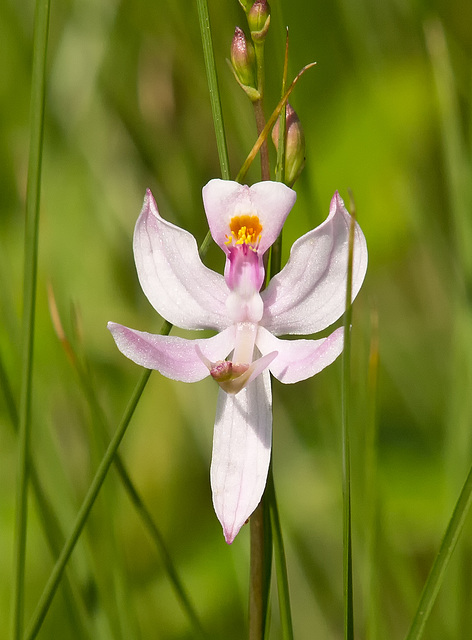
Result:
307,296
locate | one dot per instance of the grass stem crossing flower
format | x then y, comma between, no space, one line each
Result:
306,297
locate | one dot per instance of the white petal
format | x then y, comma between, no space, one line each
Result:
299,359
174,357
241,453
176,282
309,293
270,201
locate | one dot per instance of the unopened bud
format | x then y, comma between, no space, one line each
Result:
294,144
243,58
243,63
258,19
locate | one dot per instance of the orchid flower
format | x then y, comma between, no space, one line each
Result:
307,296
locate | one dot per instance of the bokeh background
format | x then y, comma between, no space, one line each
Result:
387,114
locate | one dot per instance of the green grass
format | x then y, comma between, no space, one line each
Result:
386,113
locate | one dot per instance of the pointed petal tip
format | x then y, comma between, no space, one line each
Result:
232,531
229,537
336,201
149,208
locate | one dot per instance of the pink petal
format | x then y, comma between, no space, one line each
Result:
241,453
299,359
174,357
309,293
270,201
176,282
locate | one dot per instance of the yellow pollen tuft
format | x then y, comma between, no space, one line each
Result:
245,229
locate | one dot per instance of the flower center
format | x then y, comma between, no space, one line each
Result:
245,229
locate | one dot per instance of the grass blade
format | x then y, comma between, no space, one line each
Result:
433,583
370,489
85,380
50,522
270,123
280,561
41,27
205,30
346,382
84,511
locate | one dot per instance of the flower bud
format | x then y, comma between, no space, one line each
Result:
258,19
243,64
243,58
294,144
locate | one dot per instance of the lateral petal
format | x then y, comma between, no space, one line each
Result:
270,201
299,359
173,357
242,442
174,279
309,293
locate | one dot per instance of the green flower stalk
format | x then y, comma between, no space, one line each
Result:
243,64
294,145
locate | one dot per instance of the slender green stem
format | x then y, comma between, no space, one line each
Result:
276,249
51,525
371,488
269,495
205,245
41,26
205,30
259,109
56,574
280,561
280,165
157,537
142,510
263,530
346,368
261,535
260,571
260,124
436,575
100,423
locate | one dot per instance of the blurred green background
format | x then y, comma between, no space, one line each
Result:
386,113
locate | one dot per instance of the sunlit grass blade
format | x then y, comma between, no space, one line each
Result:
280,561
457,159
270,123
346,384
33,190
101,424
205,31
280,165
276,249
457,162
260,571
51,525
436,575
370,501
97,482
